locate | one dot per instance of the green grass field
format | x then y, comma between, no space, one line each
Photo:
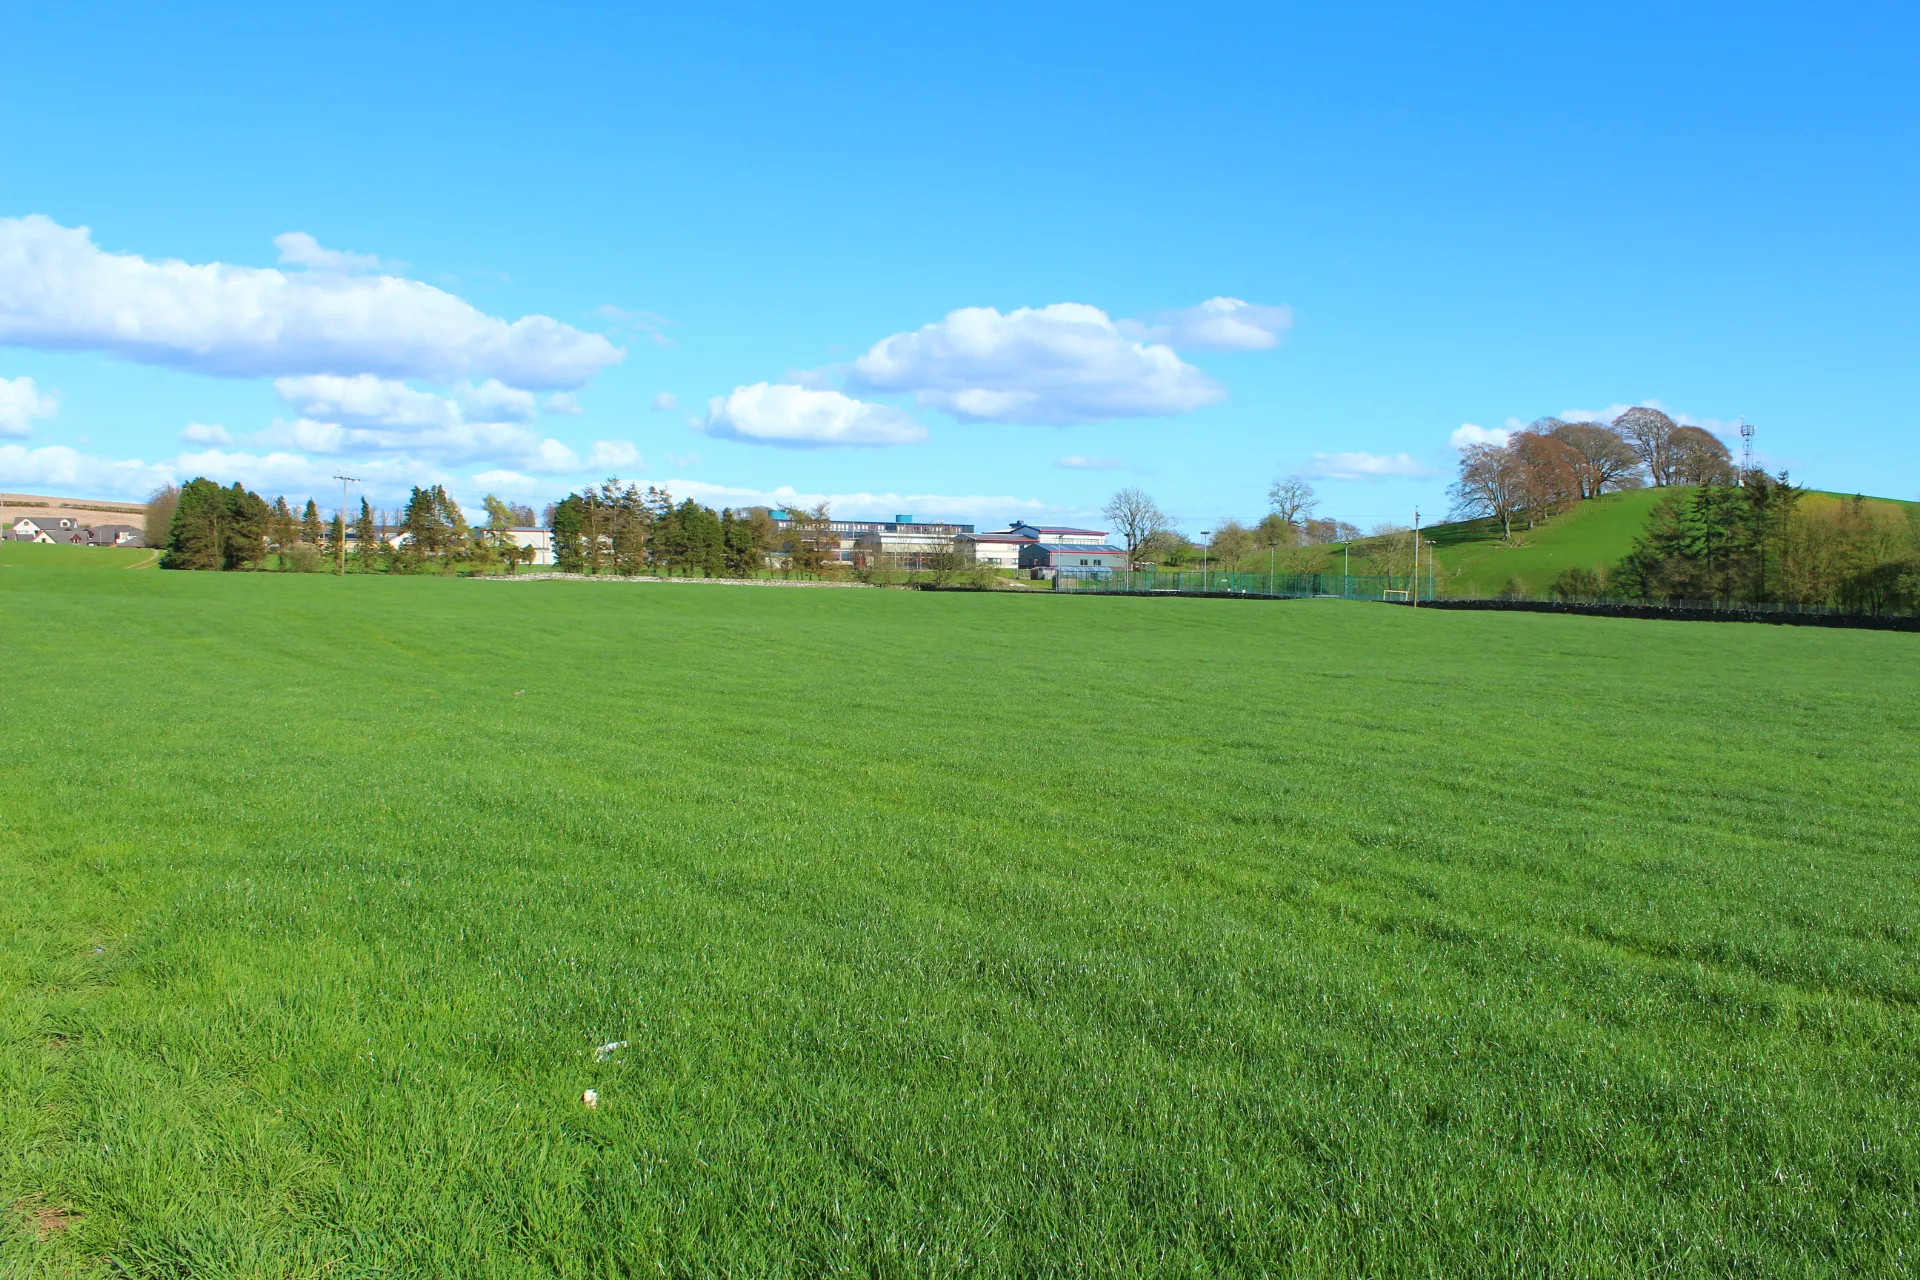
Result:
948,934
41,556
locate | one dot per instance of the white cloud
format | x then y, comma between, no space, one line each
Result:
511,481
1057,364
798,417
68,470
365,400
1080,462
365,414
21,401
1218,324
683,459
495,401
299,249
59,291
562,402
1468,434
616,454
665,402
1365,466
206,433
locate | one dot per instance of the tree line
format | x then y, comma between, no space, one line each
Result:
1550,465
202,526
616,528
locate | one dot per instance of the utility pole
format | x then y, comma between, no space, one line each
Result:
342,548
1346,569
1414,593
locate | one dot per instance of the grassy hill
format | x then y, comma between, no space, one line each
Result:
1374,942
1472,560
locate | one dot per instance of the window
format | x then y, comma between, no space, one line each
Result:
1083,562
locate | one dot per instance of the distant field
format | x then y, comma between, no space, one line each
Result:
947,934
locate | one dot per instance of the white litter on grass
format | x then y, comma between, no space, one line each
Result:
590,1100
607,1050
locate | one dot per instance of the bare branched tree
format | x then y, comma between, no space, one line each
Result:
1292,499
1492,482
1137,518
1650,434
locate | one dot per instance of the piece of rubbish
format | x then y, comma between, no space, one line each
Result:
590,1100
607,1050
518,692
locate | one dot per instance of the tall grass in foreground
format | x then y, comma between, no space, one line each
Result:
947,934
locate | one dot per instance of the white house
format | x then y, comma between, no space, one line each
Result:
540,540
61,530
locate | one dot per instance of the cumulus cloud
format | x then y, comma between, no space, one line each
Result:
1218,324
298,249
1467,434
59,467
1365,466
21,401
59,291
1080,462
1057,364
562,402
665,402
206,433
616,454
780,413
364,414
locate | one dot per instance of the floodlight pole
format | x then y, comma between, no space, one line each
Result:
341,550
1205,533
1414,594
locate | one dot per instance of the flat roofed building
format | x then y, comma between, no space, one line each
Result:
903,532
1072,555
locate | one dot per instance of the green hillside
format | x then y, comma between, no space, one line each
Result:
1471,560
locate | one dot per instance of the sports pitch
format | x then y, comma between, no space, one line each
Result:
944,934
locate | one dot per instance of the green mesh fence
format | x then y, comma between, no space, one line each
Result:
1197,582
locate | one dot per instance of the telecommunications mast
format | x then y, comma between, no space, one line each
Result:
1746,450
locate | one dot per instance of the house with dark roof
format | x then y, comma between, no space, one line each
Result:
115,535
54,530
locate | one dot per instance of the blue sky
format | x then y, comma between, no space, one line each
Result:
1433,217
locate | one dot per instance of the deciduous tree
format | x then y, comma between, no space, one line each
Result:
1492,482
1649,433
1137,518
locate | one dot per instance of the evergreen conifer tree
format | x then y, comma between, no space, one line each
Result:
310,525
366,539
